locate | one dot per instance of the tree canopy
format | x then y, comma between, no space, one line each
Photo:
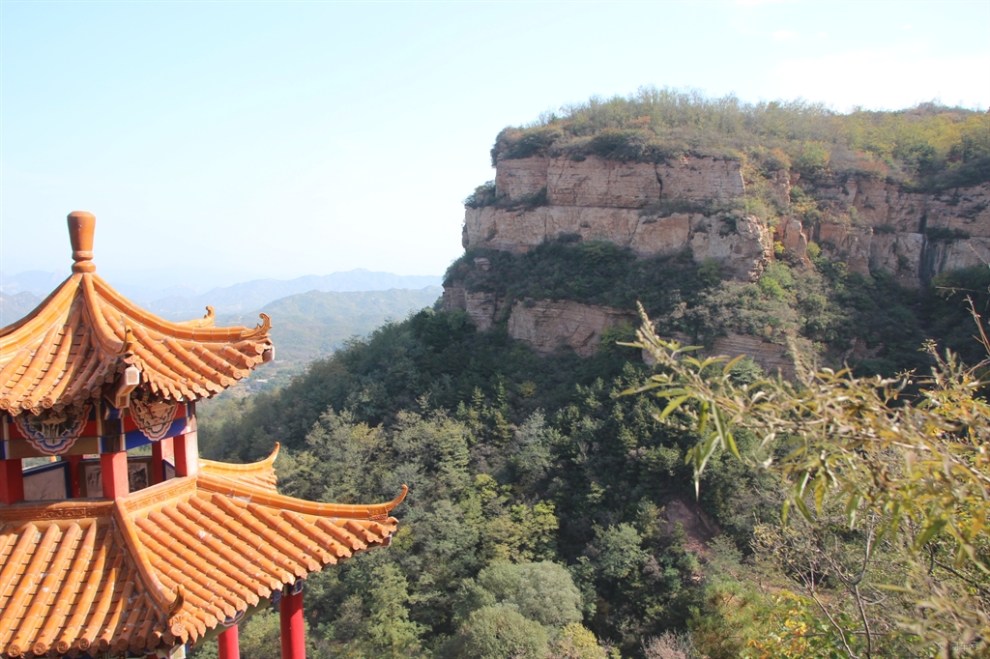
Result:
900,464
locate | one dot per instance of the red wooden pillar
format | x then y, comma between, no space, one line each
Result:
11,481
75,477
113,470
186,448
228,643
160,452
290,611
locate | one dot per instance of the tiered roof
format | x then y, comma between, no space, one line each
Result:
79,342
165,565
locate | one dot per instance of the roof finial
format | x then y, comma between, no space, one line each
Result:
81,228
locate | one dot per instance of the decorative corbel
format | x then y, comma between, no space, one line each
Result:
126,383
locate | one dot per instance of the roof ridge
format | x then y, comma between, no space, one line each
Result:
167,604
107,336
39,312
236,488
189,329
240,468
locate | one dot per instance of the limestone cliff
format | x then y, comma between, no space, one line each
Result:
704,206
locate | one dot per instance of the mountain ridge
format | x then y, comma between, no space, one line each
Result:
241,297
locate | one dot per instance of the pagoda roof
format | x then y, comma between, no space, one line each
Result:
261,473
86,340
165,565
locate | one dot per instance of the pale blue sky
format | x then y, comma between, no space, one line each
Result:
237,140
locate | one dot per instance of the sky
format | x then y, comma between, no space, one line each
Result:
219,142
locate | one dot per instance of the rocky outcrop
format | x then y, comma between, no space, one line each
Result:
548,326
741,244
649,208
521,180
699,205
482,307
910,235
693,203
792,236
772,357
593,181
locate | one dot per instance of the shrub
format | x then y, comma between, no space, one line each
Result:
483,195
513,143
811,159
945,234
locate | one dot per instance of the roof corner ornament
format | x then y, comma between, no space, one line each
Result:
82,227
130,340
391,505
126,383
260,330
174,616
176,604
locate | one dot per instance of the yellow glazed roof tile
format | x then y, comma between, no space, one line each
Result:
78,342
261,473
164,565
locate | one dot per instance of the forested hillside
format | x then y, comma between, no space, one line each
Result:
313,325
553,513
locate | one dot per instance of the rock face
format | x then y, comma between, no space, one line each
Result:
481,307
772,357
608,183
649,208
698,205
911,235
548,326
693,203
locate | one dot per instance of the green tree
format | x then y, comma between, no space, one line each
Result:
618,553
575,641
544,591
903,459
497,632
387,630
261,635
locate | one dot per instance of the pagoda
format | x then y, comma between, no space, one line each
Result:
110,552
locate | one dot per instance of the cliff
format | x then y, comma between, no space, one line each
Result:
699,204
718,210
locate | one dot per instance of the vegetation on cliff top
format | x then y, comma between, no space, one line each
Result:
930,146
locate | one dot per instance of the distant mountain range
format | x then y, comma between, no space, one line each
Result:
16,306
311,316
251,295
315,324
183,304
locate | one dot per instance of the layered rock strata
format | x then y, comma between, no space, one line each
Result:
697,204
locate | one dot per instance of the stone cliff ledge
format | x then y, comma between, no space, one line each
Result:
703,206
